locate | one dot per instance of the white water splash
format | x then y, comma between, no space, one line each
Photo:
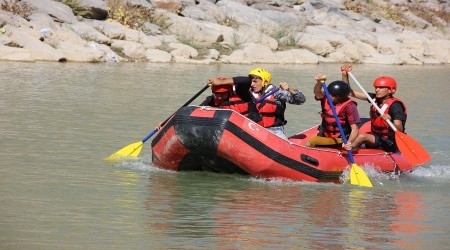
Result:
435,172
142,164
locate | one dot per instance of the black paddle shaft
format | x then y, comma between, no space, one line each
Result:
187,103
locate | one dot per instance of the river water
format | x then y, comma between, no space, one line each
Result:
58,122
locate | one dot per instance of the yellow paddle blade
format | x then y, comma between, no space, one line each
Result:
358,177
130,151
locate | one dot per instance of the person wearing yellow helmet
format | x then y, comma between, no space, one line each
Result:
262,74
381,136
272,108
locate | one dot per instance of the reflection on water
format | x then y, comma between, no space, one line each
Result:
58,122
243,213
408,223
387,218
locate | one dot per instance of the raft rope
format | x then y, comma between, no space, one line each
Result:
337,151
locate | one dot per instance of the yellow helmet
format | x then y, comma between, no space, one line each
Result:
264,74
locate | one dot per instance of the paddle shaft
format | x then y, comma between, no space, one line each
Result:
341,130
192,99
372,101
267,95
184,105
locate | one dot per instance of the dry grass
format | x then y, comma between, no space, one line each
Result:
77,9
17,7
429,14
134,16
395,13
367,7
229,21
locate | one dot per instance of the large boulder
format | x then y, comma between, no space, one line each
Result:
60,12
95,9
252,53
28,39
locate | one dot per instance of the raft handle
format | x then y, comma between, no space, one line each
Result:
309,159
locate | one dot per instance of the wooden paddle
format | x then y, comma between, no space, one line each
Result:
357,175
410,148
133,150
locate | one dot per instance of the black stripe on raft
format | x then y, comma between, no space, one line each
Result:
192,130
183,112
280,158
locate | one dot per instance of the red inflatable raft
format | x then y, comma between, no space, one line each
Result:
223,141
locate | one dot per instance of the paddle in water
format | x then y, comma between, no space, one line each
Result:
133,150
357,175
410,148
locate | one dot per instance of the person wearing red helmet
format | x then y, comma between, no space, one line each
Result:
329,134
381,136
223,96
219,95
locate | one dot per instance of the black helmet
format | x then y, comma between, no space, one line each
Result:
339,88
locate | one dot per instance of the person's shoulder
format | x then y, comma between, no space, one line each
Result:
241,80
351,106
397,105
398,100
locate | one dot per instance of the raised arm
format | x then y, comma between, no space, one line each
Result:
318,93
345,69
220,81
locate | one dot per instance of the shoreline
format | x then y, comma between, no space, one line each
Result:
222,32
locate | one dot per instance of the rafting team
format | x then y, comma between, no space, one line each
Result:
256,98
233,93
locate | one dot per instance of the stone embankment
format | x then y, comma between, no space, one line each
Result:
225,31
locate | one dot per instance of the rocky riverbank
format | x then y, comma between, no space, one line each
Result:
226,31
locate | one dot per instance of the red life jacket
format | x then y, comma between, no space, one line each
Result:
235,103
379,126
272,113
329,125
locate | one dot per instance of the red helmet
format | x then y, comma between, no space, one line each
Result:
221,88
385,82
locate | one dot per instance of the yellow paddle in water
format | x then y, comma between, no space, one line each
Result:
357,175
410,148
133,150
